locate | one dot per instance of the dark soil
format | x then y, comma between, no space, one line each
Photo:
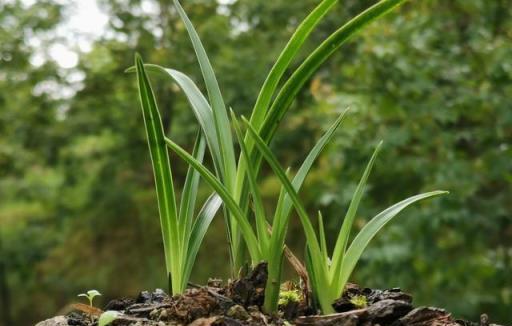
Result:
239,303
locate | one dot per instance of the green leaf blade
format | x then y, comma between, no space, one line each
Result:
200,107
276,73
222,191
162,174
323,239
311,238
280,173
369,231
306,70
348,221
189,193
261,221
220,115
227,168
284,60
284,207
198,231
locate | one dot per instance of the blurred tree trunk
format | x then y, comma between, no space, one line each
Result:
5,302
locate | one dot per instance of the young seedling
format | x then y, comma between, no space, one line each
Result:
90,295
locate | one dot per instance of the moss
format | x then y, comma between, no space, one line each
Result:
359,301
289,296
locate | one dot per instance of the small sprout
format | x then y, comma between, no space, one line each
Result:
359,301
107,317
287,297
90,295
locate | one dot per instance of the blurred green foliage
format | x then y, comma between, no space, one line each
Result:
434,80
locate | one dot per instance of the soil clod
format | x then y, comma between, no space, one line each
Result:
426,316
393,294
387,311
119,304
249,290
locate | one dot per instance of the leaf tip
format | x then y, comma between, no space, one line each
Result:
138,60
436,193
247,124
232,113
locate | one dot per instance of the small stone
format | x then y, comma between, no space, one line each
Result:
154,314
484,320
341,319
204,321
55,321
143,297
158,295
226,321
161,323
463,322
238,312
214,282
76,319
163,314
253,308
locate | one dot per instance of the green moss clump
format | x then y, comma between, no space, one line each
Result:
289,296
359,301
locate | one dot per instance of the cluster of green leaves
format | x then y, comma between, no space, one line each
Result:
182,235
327,278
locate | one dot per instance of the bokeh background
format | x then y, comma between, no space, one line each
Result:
77,205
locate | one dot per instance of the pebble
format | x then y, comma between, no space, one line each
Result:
238,312
153,314
163,314
55,321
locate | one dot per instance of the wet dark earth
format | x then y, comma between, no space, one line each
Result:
239,303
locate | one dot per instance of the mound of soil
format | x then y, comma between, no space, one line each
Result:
240,303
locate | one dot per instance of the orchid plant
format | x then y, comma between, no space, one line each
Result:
235,180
